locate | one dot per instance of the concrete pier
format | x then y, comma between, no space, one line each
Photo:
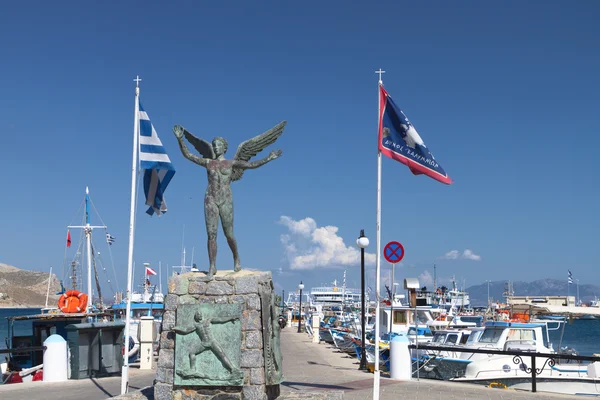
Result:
320,367
307,367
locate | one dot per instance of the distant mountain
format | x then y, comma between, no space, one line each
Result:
542,287
22,288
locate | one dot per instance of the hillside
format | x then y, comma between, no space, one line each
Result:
542,287
22,288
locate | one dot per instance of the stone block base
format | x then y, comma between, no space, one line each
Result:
255,352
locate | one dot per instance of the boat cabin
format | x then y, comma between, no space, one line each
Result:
403,318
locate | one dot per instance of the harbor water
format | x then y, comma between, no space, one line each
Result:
581,334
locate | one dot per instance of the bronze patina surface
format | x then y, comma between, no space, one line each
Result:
218,200
207,345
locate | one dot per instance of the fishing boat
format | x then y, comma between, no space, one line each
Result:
444,297
75,307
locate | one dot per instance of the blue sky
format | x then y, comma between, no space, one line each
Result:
505,95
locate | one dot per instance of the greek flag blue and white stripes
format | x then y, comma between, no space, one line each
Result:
110,239
570,279
158,169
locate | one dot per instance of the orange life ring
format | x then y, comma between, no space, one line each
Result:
520,317
72,301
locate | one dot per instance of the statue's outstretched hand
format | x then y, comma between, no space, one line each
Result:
275,154
178,131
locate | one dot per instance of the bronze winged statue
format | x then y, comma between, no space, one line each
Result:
218,201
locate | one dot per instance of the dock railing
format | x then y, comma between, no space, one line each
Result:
23,350
551,358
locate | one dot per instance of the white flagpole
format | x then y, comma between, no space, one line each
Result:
376,375
134,164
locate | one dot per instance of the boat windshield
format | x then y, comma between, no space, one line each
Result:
491,335
474,337
438,338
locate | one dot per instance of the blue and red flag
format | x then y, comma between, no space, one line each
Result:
398,139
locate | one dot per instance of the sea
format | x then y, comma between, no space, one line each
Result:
580,334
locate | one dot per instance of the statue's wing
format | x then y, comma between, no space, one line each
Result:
204,148
252,147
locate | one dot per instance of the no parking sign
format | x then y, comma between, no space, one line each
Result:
393,252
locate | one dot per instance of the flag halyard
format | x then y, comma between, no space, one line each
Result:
157,166
399,140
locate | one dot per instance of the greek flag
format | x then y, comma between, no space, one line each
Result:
110,239
156,164
570,279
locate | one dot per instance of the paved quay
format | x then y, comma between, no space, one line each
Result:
309,367
81,389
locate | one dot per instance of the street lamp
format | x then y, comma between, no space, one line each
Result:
362,242
300,286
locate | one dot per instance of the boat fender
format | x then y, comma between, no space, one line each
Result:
38,376
497,385
14,377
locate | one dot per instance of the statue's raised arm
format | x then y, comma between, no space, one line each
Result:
202,146
252,147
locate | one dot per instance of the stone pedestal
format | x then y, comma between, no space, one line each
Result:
219,338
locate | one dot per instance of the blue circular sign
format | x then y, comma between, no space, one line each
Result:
393,252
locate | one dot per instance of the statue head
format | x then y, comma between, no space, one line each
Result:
219,145
198,316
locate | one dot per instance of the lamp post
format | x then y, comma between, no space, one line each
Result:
362,242
300,286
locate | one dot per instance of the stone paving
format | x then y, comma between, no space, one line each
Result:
309,367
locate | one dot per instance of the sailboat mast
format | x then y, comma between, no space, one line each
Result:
88,236
48,289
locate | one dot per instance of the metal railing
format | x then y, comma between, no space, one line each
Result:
23,350
551,358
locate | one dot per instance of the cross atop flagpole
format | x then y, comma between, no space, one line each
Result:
137,81
380,72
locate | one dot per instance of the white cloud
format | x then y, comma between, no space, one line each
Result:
308,246
467,254
425,279
451,255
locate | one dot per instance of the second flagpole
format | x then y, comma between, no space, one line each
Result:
376,375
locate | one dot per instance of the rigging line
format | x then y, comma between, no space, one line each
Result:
96,276
109,247
101,261
97,213
79,262
76,213
64,272
64,264
112,261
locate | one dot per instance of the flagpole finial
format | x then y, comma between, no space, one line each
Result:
380,72
137,81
